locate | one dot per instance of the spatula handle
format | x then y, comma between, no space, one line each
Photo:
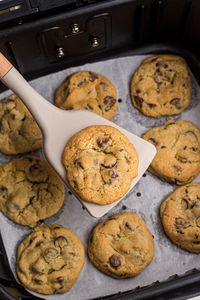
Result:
5,66
35,102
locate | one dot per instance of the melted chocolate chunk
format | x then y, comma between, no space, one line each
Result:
81,83
180,223
65,93
182,159
128,226
36,169
113,176
176,102
114,261
139,101
61,241
61,281
50,254
93,76
151,105
185,204
104,86
3,192
109,102
154,141
102,142
38,281
178,169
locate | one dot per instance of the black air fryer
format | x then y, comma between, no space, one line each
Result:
44,36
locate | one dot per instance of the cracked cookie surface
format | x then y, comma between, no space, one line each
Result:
122,246
178,151
50,259
100,164
19,133
180,215
161,86
30,190
88,90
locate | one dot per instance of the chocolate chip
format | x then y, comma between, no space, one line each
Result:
158,64
185,147
163,147
108,102
180,223
139,101
61,281
196,204
93,76
128,226
36,169
114,261
178,169
151,105
176,102
57,226
39,243
154,141
195,149
138,91
113,176
65,93
161,64
3,192
81,83
61,241
38,281
182,159
89,106
50,254
102,142
196,242
104,86
185,203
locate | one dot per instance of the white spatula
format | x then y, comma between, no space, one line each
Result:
58,126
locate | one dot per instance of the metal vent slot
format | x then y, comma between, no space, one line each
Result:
10,9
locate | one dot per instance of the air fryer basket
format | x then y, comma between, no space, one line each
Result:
120,26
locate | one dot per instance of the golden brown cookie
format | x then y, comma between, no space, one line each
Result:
19,133
178,151
50,259
161,86
180,215
30,190
122,246
100,164
88,90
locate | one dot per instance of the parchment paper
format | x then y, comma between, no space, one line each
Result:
168,259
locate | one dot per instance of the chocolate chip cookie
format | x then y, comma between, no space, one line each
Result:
180,215
178,151
19,133
88,90
100,164
122,246
161,86
30,190
50,259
